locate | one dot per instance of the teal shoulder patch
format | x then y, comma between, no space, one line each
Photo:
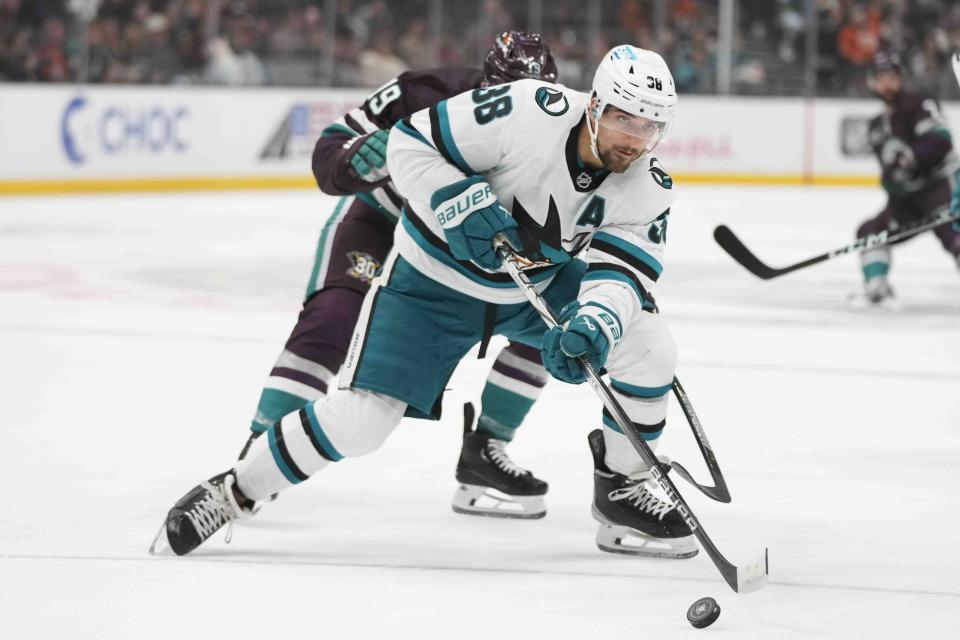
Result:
553,102
660,176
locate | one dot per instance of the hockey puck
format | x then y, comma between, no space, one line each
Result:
703,613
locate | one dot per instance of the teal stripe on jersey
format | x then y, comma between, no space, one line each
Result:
275,450
331,222
603,274
632,249
443,194
339,128
448,139
413,133
640,392
610,422
441,256
321,437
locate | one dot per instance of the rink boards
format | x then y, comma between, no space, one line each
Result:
92,139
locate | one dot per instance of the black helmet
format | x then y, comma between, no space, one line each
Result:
885,61
518,54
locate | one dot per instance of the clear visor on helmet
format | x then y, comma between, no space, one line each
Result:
648,131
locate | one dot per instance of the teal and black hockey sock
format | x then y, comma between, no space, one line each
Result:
514,384
293,383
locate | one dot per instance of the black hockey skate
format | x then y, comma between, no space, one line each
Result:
633,520
200,514
491,484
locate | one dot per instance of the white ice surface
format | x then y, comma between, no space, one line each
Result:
135,333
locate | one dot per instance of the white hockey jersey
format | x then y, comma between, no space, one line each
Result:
522,138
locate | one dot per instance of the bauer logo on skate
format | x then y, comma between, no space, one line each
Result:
672,496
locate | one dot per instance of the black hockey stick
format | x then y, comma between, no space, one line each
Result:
741,579
739,251
719,491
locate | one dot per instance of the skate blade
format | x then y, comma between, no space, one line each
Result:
859,302
614,538
475,500
160,545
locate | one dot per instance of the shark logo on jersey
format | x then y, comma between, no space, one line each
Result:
552,102
660,176
543,243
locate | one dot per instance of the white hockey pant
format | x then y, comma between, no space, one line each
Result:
641,372
347,423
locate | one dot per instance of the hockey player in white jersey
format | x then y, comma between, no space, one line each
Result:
571,181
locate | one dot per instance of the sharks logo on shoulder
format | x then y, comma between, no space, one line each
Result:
660,176
553,102
543,243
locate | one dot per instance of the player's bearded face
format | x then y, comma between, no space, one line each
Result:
886,84
622,138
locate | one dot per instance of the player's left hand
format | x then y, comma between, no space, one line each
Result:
903,167
564,345
367,156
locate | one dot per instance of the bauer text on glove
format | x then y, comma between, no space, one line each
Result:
471,216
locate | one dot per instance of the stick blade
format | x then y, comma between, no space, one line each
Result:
720,493
730,243
753,577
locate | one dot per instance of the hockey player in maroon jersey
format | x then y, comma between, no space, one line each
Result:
349,161
913,144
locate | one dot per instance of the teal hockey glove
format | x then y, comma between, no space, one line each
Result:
471,216
564,343
367,156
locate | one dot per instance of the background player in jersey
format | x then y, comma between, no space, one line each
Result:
913,144
588,209
350,160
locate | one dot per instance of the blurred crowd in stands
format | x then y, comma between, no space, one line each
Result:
365,42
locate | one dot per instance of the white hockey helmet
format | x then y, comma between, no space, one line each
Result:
638,82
